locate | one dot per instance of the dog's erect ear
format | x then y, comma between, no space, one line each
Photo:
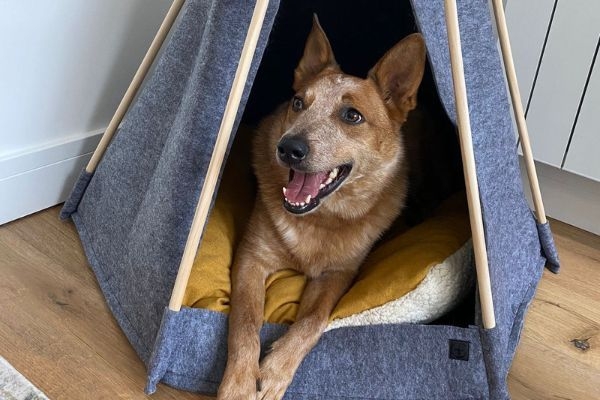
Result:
317,57
399,72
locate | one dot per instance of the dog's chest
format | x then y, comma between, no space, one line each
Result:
315,249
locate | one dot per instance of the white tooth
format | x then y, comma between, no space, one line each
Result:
328,181
286,200
333,173
307,199
302,204
321,186
284,191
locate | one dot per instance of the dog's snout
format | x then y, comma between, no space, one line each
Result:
292,150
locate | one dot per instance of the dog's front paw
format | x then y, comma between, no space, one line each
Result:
237,386
274,379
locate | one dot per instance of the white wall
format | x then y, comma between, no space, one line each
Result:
559,105
64,66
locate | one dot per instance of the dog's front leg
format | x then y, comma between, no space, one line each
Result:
320,296
245,320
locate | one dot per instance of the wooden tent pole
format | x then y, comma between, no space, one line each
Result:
217,158
468,157
135,84
515,95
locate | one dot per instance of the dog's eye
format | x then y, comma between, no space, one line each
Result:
297,104
352,116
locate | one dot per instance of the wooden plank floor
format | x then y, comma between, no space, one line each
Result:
559,353
56,329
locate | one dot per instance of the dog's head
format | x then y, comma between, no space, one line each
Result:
340,141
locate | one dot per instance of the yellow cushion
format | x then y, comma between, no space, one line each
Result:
394,267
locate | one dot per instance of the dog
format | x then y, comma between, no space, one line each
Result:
332,177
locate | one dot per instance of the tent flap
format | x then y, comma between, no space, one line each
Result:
548,247
77,192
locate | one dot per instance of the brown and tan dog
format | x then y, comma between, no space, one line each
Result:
332,178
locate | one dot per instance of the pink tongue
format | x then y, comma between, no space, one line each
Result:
304,184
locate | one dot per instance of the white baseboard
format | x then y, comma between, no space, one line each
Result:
38,178
568,197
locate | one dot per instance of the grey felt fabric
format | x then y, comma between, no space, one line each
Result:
514,270
548,247
77,192
369,362
134,214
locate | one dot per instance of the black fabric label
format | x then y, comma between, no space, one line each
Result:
458,350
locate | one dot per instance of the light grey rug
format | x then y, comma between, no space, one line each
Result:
14,386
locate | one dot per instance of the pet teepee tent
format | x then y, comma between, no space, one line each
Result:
141,205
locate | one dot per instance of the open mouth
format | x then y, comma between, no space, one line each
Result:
305,190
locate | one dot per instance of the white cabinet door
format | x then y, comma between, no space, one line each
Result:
583,157
561,79
527,22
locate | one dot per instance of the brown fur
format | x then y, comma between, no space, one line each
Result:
329,243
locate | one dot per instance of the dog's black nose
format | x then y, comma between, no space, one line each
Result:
292,149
